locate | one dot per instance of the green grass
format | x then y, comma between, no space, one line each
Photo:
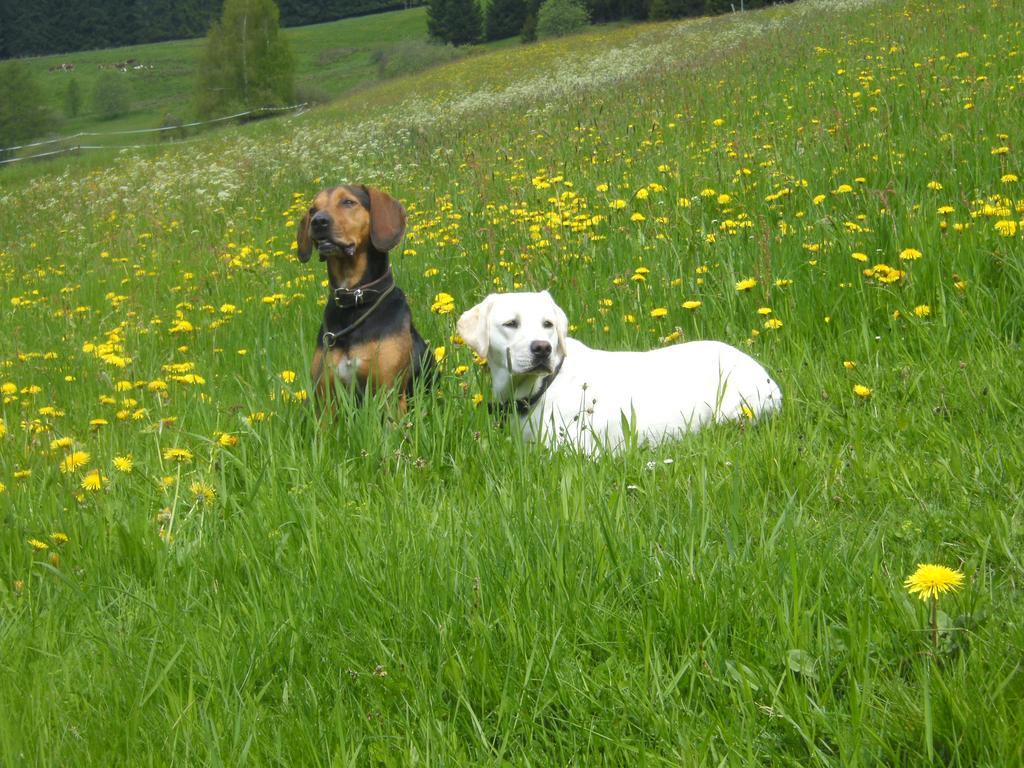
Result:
428,589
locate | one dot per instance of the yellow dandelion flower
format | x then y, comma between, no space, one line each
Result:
37,545
287,376
178,454
93,481
922,310
204,492
659,312
73,461
930,581
849,365
934,185
58,537
764,311
477,399
773,324
1009,178
862,391
444,303
637,217
857,256
692,304
1006,228
617,204
439,353
225,440
124,463
746,285
910,254
181,326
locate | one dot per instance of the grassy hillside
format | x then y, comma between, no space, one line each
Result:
331,59
192,573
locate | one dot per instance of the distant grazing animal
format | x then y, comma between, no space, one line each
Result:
367,340
567,393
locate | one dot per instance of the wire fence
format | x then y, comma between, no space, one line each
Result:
297,108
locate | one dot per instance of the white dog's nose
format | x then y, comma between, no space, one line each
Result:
540,348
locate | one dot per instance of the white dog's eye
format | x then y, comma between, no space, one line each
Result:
548,324
511,323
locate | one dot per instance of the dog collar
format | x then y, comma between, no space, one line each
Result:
330,337
348,298
524,405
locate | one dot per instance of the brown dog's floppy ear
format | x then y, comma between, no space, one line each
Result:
303,240
561,323
387,220
474,327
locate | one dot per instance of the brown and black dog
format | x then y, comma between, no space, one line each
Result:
367,340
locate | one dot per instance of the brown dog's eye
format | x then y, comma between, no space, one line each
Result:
348,202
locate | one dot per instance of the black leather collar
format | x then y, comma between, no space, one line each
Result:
349,298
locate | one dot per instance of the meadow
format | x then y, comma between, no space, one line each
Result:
193,573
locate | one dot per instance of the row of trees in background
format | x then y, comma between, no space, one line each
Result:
56,26
460,22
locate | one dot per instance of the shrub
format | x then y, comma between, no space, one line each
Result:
72,98
561,17
110,95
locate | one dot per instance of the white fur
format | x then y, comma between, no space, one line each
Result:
598,397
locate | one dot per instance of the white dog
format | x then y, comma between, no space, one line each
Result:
566,392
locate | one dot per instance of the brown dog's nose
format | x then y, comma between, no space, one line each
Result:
540,348
320,222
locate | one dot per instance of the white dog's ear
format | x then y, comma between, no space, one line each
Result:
561,323
474,328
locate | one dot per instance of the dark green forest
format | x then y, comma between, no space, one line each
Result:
56,26
51,26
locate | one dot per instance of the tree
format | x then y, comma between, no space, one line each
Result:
247,63
505,18
437,11
560,17
21,116
454,21
528,34
462,21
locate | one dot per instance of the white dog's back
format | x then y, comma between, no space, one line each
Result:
655,394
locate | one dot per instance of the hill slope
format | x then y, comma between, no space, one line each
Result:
331,59
195,573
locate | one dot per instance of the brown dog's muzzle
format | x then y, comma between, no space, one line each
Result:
321,227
